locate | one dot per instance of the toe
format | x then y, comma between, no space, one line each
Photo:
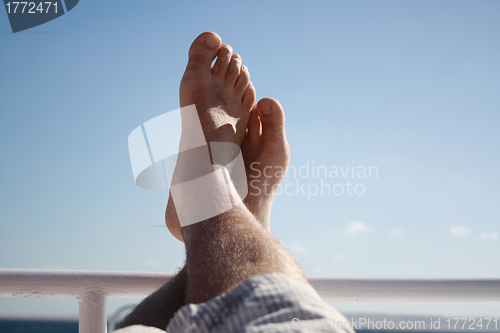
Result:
233,70
249,97
222,63
203,51
242,82
272,118
254,124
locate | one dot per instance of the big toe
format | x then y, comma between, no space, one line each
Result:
204,50
272,117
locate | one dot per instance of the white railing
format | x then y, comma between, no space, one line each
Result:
93,288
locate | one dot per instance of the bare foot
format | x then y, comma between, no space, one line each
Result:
223,94
266,155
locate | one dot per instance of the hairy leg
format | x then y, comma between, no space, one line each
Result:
158,308
229,248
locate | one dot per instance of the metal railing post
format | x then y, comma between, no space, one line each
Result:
92,312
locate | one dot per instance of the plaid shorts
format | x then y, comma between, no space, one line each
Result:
264,303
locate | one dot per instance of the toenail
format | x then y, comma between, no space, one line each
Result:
266,108
212,41
244,68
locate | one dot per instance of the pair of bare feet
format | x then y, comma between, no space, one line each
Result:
224,97
227,249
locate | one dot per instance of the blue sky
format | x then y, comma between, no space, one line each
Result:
410,88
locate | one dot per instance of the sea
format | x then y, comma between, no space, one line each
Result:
56,326
37,326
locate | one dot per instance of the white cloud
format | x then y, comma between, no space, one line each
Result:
396,232
319,269
338,256
356,227
53,267
297,248
459,230
489,236
151,263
